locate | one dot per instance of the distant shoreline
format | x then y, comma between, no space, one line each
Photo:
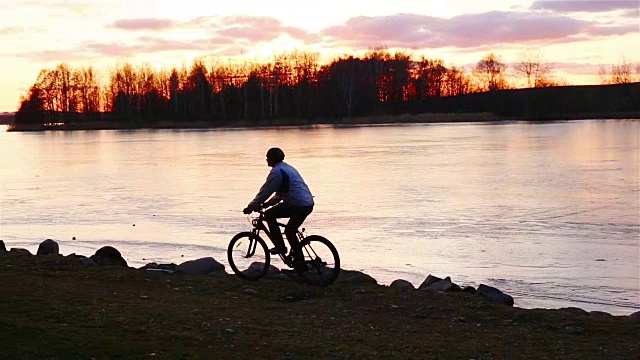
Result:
276,123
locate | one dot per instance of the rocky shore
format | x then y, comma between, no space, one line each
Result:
56,306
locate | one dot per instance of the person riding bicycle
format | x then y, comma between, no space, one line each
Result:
292,200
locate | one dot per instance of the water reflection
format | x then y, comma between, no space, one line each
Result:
527,207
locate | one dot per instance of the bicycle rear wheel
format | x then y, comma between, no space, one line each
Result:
321,261
248,256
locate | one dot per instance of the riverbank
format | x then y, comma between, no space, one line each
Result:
119,124
56,307
427,118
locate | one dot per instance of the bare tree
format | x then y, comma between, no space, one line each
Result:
531,65
622,73
490,71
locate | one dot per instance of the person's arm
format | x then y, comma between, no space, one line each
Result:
274,200
269,187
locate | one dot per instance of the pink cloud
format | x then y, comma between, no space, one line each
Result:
143,24
466,31
250,28
585,5
144,45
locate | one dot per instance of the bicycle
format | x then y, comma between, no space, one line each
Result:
317,259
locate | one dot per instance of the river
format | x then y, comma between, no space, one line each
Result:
547,212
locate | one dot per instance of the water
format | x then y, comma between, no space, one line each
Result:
549,213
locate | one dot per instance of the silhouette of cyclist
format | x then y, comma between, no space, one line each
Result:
292,200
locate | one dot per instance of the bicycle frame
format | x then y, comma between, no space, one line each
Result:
316,267
259,224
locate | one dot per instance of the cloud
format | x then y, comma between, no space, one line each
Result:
143,24
143,45
237,34
250,28
261,29
224,35
585,5
466,31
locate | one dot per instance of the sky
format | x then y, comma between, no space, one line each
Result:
575,37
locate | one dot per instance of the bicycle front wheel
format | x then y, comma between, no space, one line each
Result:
248,256
321,264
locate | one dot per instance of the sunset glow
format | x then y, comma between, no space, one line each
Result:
576,37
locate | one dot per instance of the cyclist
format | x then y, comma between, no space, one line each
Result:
292,200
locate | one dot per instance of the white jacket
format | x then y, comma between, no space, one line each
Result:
286,182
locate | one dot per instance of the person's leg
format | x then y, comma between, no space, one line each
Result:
271,216
298,216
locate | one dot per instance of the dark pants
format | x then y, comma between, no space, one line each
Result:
296,215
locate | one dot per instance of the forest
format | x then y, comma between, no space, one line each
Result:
296,86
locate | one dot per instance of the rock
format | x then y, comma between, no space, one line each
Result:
3,248
81,259
48,247
201,266
469,290
599,313
88,261
160,271
494,295
154,266
251,291
574,311
108,256
428,281
20,251
402,285
352,277
257,267
443,285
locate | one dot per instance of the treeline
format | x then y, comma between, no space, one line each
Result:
293,86
6,118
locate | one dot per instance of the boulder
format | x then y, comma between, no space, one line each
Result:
160,271
402,285
494,295
201,266
574,311
443,285
257,267
48,247
469,290
20,251
3,248
352,277
88,262
428,281
600,313
154,266
108,256
83,259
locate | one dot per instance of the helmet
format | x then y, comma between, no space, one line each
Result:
275,154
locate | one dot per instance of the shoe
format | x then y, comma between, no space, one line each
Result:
278,250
